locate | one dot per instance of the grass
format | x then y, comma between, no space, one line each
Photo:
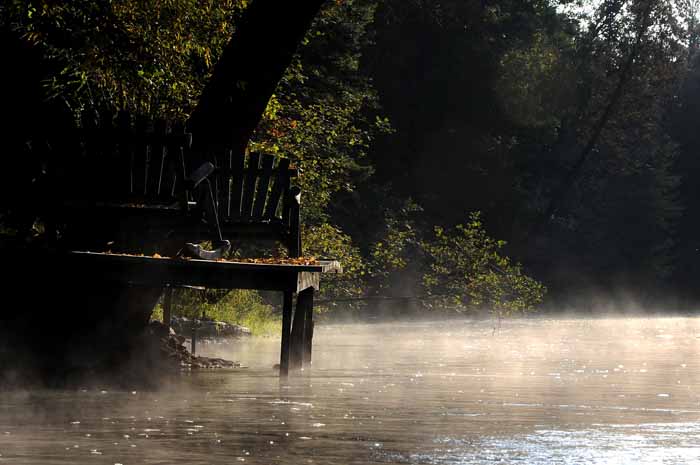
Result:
261,321
241,307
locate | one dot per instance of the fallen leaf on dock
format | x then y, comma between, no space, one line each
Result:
276,260
261,260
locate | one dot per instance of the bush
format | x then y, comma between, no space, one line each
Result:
326,241
465,269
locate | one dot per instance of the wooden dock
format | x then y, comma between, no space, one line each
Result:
141,187
158,272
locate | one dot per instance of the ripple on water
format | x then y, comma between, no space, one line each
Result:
608,391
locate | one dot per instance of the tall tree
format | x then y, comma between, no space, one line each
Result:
612,200
249,69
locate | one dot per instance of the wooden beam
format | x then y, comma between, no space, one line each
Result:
306,280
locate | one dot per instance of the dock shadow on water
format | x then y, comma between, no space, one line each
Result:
535,391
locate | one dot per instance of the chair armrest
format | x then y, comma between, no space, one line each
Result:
200,174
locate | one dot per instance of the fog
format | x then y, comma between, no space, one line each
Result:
523,156
536,390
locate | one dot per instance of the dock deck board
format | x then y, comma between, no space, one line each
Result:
159,272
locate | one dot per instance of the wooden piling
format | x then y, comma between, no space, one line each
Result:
296,352
306,304
286,336
193,339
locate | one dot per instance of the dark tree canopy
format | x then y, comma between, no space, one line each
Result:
569,129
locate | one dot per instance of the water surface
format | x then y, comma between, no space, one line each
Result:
535,391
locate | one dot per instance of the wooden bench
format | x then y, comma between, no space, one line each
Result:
126,180
138,171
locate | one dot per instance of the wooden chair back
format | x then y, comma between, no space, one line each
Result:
116,160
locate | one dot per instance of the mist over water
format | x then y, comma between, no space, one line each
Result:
535,391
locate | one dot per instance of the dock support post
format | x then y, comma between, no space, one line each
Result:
297,346
167,306
286,330
306,304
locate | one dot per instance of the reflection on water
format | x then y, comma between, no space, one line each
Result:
607,391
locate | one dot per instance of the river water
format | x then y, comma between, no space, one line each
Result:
533,391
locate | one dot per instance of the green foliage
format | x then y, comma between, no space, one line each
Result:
539,99
465,269
241,307
514,95
620,218
324,113
148,57
326,241
461,268
394,251
479,93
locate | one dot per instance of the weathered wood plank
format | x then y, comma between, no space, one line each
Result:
308,280
280,182
237,167
322,266
222,184
251,176
174,173
159,272
158,154
280,187
263,185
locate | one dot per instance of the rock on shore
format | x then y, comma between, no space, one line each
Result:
172,348
208,328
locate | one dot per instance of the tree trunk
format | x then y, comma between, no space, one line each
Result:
249,70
